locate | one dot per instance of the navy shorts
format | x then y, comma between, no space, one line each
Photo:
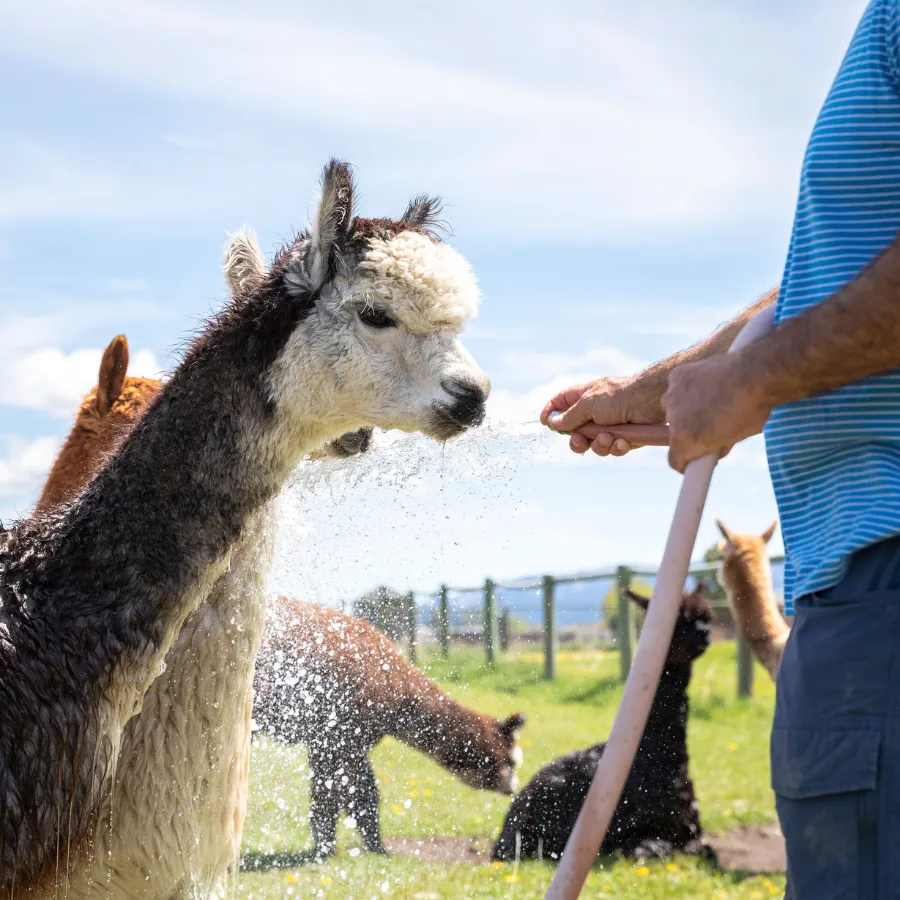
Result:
836,737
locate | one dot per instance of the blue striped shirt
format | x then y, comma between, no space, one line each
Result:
835,458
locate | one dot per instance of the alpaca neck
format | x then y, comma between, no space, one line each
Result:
666,730
95,593
748,581
435,724
160,517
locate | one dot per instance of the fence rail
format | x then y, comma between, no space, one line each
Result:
495,630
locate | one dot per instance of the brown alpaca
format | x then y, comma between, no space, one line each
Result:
337,684
746,575
106,414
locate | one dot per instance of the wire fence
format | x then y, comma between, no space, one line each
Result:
575,611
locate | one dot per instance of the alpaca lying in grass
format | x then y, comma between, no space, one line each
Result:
746,575
354,325
338,685
658,811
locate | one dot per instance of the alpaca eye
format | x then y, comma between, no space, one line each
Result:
375,317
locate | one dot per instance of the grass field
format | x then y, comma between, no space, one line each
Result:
729,758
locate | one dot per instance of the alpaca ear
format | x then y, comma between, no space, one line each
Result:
423,213
111,379
511,725
729,537
767,534
243,260
331,223
642,601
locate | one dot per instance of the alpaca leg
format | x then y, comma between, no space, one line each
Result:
650,848
324,802
365,805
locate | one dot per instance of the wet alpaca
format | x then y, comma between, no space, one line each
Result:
94,593
746,575
180,795
658,810
338,685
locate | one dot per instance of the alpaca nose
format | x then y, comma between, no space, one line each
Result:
469,401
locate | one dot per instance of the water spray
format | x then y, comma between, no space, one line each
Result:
618,756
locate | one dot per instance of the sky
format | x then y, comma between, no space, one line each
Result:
622,178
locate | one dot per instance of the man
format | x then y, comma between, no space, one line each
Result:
825,385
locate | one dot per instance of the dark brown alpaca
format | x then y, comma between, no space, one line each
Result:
345,331
337,684
193,776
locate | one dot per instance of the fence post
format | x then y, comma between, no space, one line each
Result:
491,631
550,636
503,629
412,625
744,668
623,582
443,622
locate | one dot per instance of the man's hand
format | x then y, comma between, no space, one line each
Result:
711,405
606,401
636,400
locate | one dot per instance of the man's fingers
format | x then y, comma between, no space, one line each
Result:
545,412
577,414
563,400
619,448
602,444
578,443
676,460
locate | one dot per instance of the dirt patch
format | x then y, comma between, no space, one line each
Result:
441,849
758,849
752,849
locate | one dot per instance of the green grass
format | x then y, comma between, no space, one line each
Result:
729,762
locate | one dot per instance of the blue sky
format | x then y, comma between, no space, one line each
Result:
621,176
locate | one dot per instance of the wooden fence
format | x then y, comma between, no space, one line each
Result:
626,634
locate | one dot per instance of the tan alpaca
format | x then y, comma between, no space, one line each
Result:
746,575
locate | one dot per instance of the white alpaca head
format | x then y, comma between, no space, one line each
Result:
384,304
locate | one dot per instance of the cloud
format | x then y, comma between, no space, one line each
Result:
26,465
39,375
39,182
600,361
50,380
580,122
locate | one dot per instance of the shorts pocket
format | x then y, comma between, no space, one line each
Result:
837,664
825,785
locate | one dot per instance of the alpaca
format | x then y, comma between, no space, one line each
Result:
746,575
658,811
118,400
337,684
192,781
354,325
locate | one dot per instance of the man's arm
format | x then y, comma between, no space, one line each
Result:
636,399
657,375
853,334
